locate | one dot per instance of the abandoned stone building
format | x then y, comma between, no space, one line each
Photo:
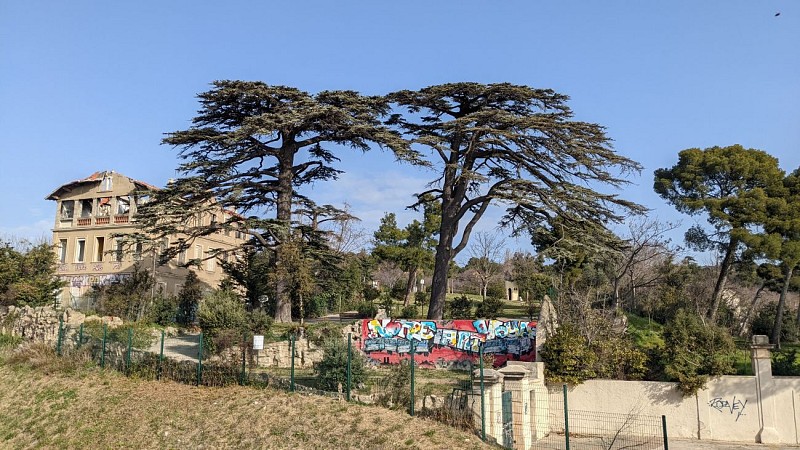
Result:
93,212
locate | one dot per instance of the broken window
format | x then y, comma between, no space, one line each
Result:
182,257
67,209
62,251
119,251
104,207
99,248
105,185
86,207
123,204
137,252
80,250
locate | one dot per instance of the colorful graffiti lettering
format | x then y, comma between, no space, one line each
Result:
439,342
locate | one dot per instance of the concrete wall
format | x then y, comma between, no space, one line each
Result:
727,409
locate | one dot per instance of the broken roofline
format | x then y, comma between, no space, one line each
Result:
96,178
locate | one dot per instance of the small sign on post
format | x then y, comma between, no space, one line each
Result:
258,342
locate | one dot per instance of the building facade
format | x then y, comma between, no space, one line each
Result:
93,212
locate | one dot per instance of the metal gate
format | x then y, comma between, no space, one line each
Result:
508,429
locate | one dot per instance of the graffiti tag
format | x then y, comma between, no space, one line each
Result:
733,407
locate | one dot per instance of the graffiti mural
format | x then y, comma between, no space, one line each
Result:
442,342
78,281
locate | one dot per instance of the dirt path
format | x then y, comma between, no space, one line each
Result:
183,347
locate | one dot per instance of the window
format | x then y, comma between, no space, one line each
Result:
99,248
104,206
106,184
118,252
137,252
80,250
86,207
163,246
62,251
198,253
123,204
182,257
68,209
211,262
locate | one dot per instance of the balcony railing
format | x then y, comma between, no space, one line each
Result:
102,220
122,219
84,221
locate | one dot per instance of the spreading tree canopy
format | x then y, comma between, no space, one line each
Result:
510,145
250,147
730,185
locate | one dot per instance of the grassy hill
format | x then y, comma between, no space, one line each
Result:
49,402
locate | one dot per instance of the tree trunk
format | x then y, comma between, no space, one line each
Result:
775,337
724,269
439,281
749,313
412,280
283,302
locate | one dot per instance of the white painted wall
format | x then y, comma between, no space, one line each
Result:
726,410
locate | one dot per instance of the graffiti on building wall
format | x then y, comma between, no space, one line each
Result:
439,342
79,281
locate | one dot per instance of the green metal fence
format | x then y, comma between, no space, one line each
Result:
477,400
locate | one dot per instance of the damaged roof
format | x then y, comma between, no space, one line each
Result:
97,177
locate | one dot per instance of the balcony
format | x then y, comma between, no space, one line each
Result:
102,220
84,221
122,218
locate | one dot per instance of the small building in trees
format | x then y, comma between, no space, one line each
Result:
94,216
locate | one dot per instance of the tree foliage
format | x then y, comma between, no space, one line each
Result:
730,185
27,274
509,145
250,147
694,351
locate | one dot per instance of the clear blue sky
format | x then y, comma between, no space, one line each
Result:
87,86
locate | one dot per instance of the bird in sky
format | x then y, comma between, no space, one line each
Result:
777,14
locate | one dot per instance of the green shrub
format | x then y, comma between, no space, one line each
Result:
496,290
490,308
409,312
694,352
394,389
189,300
332,369
366,310
571,358
319,333
371,293
568,357
259,322
421,298
221,310
765,319
460,308
163,311
386,302
784,363
142,335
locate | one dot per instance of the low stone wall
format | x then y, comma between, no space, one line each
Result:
279,354
40,324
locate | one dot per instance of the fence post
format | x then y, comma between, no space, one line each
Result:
80,336
128,354
664,431
60,335
566,417
200,361
483,396
291,376
103,352
349,345
244,356
160,357
412,377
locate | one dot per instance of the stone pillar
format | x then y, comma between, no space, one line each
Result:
765,390
539,401
493,406
516,378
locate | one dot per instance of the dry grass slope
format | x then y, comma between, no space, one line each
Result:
47,402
